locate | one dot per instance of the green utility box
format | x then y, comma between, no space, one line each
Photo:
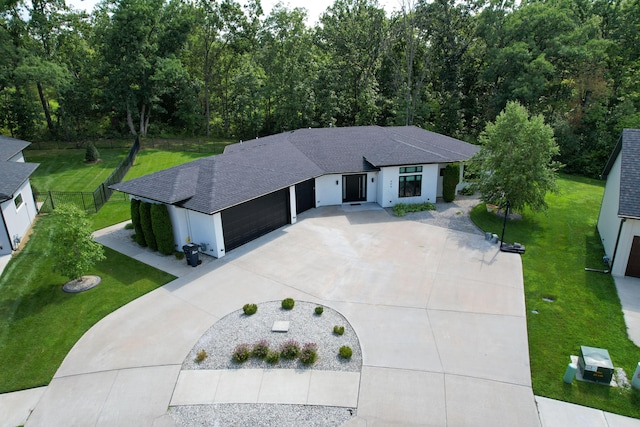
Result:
595,364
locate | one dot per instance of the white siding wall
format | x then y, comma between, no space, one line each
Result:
203,232
630,228
181,233
18,219
292,204
17,158
388,193
372,187
328,193
608,221
196,227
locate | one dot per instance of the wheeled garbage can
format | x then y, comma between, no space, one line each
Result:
191,253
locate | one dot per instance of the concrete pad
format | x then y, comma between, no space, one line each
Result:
197,387
17,406
164,421
554,413
482,345
629,293
139,396
73,401
393,337
475,402
155,329
457,294
289,386
239,386
402,397
332,388
614,420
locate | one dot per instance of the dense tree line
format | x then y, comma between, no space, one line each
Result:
221,68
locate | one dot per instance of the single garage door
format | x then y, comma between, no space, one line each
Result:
305,195
255,218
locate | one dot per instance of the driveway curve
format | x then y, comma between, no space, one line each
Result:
440,315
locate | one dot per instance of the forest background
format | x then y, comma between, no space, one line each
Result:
224,69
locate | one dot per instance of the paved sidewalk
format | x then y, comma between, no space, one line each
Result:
554,413
629,293
280,386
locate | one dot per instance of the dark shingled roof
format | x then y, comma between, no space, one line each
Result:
628,147
254,168
12,174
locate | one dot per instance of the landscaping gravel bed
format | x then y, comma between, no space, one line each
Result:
304,327
252,415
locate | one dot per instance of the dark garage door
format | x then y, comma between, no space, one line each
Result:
305,195
255,218
633,265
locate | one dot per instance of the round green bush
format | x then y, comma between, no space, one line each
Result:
179,255
338,330
242,353
250,309
273,357
288,303
319,310
346,352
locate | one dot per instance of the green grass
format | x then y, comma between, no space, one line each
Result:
65,170
586,311
39,323
147,161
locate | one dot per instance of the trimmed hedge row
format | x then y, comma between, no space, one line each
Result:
153,226
450,180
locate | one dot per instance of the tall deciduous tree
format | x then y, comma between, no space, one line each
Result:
516,161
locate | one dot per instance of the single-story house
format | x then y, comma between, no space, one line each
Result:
619,220
257,186
17,206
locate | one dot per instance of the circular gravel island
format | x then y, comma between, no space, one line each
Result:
304,327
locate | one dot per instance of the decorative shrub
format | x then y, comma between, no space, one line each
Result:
467,191
338,330
249,309
91,154
273,357
162,229
201,355
242,353
319,310
128,226
401,209
309,353
179,255
288,303
346,352
260,349
290,349
135,220
450,180
145,223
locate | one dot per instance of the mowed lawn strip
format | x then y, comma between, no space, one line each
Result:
66,170
39,323
586,308
147,161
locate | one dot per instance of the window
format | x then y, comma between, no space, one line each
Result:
411,169
410,186
18,200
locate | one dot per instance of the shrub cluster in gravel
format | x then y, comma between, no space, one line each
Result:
250,309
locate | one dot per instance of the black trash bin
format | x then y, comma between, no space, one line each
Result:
191,253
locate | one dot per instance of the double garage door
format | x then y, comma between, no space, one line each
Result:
255,218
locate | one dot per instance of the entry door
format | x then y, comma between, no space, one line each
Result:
354,188
633,265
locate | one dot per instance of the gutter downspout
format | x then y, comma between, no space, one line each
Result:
615,248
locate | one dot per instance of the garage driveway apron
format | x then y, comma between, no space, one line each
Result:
439,313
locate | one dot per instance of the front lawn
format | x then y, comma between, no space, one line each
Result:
586,308
39,323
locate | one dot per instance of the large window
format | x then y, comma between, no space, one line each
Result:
410,185
18,200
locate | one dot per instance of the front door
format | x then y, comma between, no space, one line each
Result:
633,265
354,188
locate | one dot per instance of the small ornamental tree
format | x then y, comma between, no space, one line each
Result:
75,252
91,154
516,161
147,228
450,181
162,229
135,220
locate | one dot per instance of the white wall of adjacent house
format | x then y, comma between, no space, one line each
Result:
389,178
18,213
608,220
630,228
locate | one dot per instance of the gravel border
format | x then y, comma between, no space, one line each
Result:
305,326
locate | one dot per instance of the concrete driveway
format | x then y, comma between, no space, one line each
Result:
440,316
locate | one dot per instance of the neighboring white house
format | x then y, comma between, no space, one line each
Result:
17,206
619,220
260,185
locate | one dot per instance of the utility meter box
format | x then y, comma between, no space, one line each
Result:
595,364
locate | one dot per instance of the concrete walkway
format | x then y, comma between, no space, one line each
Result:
440,316
629,293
